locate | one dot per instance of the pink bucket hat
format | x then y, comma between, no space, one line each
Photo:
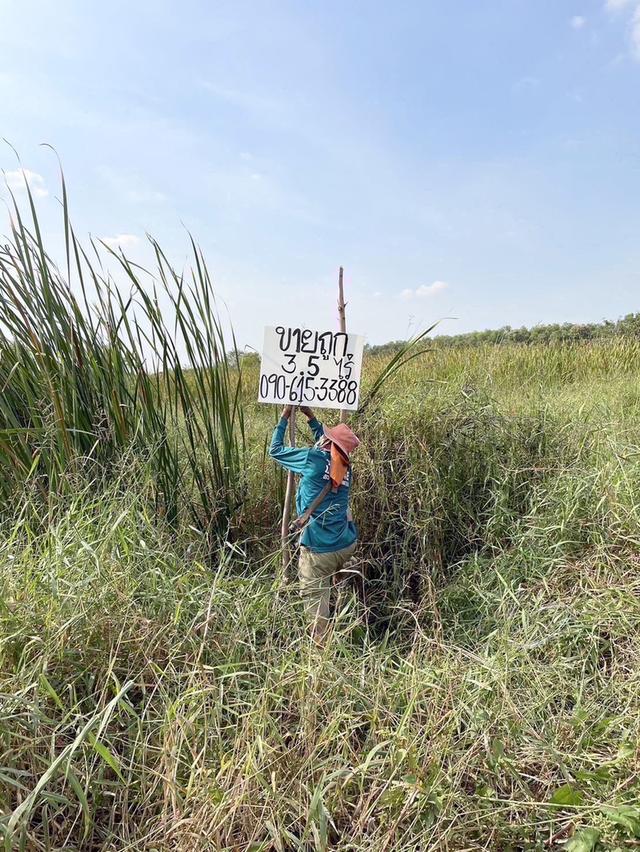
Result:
342,436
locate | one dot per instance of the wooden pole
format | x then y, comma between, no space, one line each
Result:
291,485
288,501
343,324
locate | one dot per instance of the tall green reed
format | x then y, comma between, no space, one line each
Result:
89,370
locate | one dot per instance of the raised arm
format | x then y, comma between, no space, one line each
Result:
314,423
290,458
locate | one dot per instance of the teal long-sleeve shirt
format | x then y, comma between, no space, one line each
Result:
329,528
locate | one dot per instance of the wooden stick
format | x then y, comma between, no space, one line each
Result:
288,501
291,485
343,324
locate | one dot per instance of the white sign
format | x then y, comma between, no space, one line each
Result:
315,368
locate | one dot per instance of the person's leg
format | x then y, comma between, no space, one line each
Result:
343,558
342,572
315,570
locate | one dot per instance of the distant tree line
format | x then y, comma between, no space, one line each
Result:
627,326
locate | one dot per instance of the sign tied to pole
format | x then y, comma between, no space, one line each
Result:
301,367
315,368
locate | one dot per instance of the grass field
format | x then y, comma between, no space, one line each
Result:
158,690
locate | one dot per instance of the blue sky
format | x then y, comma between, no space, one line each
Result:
476,159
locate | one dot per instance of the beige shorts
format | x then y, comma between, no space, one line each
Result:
316,571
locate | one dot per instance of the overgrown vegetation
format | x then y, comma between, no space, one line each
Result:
481,689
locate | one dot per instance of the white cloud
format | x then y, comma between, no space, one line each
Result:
255,105
578,22
121,241
634,24
526,84
424,290
132,187
635,33
615,5
16,182
144,196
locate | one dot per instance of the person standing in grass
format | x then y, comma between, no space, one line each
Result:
329,534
